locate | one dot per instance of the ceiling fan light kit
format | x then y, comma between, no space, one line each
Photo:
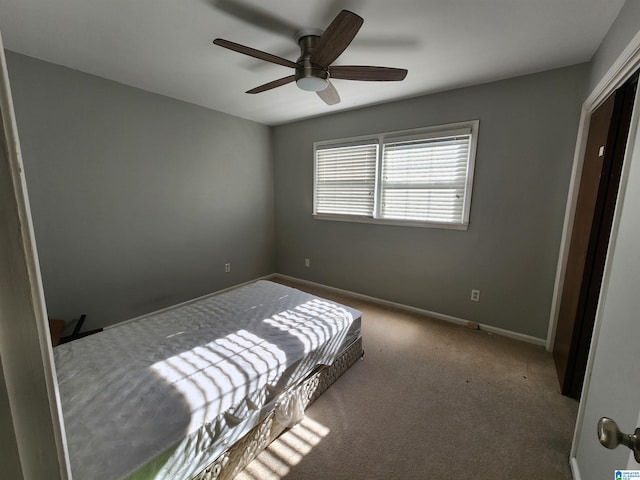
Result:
318,50
312,84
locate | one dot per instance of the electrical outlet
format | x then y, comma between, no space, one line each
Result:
475,295
307,262
227,267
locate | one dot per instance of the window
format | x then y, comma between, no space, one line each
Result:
345,179
418,177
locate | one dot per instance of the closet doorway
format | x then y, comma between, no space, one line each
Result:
597,194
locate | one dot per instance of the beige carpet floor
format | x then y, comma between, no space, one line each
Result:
430,400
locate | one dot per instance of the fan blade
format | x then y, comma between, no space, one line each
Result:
336,38
329,95
252,52
326,10
274,84
367,73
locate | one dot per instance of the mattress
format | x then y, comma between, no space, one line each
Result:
159,397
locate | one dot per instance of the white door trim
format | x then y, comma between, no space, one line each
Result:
626,64
633,146
25,345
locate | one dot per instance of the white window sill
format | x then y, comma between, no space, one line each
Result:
398,223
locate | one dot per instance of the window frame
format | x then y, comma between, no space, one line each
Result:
470,127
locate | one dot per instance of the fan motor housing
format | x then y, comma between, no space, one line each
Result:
310,77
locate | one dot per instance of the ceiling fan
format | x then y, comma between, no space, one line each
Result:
318,50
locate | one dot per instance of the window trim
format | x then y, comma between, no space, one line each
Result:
424,133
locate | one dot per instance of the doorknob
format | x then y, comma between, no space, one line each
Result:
610,436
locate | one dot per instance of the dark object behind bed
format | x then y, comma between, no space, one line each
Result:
76,331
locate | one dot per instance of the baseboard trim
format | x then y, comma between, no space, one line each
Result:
439,316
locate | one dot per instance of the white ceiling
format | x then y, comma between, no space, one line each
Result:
165,46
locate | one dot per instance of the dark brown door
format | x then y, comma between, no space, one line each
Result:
597,194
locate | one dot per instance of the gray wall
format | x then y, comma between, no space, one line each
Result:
527,136
624,28
138,200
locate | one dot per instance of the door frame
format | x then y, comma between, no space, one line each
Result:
30,389
622,69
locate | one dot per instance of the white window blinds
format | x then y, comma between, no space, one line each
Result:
420,177
345,180
425,180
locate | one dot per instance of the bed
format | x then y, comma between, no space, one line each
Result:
196,391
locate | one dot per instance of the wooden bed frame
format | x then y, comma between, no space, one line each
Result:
240,454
